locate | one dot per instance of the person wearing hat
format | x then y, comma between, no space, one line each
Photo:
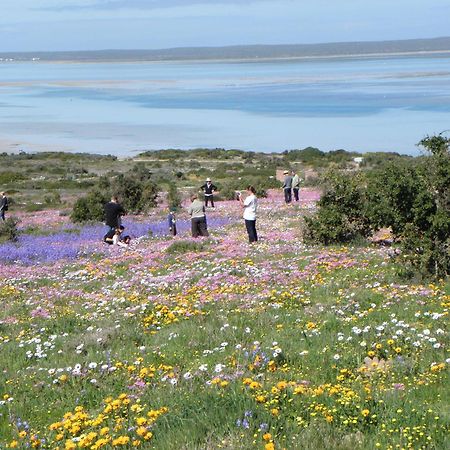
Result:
208,188
3,205
287,187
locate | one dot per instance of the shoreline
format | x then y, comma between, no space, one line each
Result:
256,59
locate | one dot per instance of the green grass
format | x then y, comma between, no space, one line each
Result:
275,342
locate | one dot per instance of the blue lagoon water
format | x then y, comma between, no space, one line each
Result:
361,104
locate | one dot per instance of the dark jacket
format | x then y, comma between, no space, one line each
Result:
3,204
113,211
209,189
171,219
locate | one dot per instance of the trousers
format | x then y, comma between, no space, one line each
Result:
251,230
199,227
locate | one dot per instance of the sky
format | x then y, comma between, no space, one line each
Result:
53,25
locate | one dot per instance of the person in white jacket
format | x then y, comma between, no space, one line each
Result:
250,205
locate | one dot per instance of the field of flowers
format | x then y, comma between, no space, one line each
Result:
176,345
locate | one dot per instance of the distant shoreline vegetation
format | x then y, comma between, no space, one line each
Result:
410,47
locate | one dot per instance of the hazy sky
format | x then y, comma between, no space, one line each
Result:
27,25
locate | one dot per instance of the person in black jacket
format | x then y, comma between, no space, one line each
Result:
208,188
3,206
113,213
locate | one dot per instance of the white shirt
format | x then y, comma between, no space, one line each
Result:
250,204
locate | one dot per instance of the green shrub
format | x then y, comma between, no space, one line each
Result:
136,191
52,199
426,240
11,177
8,229
90,207
341,216
412,197
173,196
187,247
35,207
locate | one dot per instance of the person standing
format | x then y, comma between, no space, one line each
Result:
113,213
295,184
208,188
3,205
287,187
172,222
198,217
250,205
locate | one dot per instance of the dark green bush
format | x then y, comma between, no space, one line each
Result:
173,196
90,207
411,197
426,240
136,191
8,229
341,216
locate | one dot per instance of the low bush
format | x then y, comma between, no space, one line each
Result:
187,247
341,216
8,229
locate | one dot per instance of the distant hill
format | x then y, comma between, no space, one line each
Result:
246,52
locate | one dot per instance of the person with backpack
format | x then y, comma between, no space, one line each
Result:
287,187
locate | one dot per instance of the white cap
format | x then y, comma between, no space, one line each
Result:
208,179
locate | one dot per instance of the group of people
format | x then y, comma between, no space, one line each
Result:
197,211
291,184
113,220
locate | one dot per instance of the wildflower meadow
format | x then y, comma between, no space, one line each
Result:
176,343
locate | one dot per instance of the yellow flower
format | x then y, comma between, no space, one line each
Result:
13,444
365,412
275,411
269,446
121,440
267,436
70,445
141,421
22,434
398,349
141,431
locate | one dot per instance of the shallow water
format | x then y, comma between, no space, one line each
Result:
385,104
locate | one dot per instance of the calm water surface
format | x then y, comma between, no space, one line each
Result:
385,104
